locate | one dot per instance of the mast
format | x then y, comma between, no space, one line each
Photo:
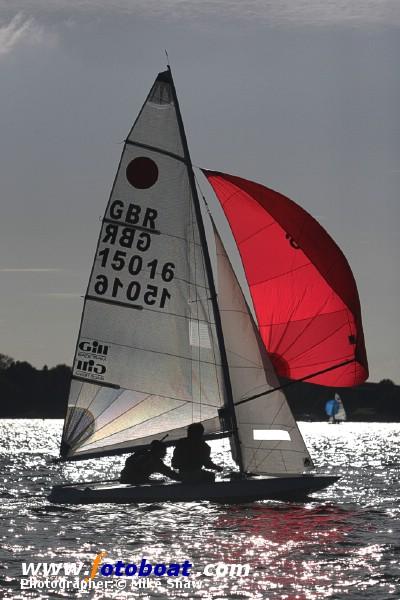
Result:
217,316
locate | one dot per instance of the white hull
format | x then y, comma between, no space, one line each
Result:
237,491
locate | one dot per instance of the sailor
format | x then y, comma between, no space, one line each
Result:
191,454
143,463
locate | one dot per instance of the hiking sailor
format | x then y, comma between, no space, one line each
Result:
143,463
191,454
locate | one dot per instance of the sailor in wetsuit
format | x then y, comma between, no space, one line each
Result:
191,454
142,463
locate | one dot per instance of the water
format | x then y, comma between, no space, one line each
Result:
342,544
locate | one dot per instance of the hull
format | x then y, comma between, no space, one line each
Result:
242,490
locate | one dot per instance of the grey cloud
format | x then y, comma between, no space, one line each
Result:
21,30
284,12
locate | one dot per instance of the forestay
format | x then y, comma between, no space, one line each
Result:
270,440
147,361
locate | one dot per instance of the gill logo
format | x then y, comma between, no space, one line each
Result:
89,366
93,347
95,566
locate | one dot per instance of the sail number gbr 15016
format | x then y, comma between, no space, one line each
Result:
132,290
126,272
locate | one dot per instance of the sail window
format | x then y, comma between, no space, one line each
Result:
272,435
161,94
198,334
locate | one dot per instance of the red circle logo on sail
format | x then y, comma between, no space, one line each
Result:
142,172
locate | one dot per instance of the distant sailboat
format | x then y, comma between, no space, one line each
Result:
335,410
167,337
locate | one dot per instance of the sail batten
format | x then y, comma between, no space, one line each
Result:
102,384
155,149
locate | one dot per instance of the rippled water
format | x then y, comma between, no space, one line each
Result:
342,544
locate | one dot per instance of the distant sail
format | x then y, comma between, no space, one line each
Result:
303,291
340,413
331,407
147,360
270,440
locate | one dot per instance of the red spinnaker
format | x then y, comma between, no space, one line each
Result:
303,290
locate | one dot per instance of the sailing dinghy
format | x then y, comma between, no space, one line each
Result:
335,410
169,336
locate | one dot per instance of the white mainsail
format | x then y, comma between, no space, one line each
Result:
270,441
147,360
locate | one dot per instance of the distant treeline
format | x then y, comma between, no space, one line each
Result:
26,392
29,392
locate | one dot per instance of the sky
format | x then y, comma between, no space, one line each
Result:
300,95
